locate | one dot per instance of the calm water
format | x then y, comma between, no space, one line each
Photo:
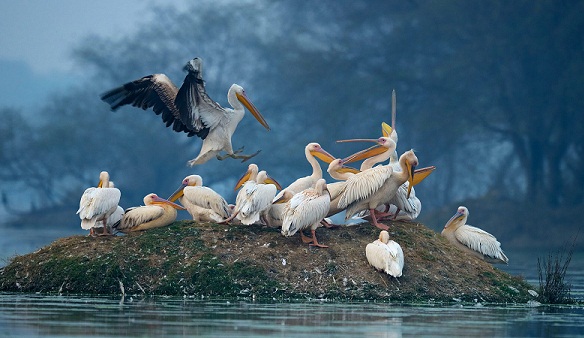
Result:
67,316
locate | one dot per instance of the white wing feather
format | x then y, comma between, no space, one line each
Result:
207,198
97,203
480,241
364,184
139,215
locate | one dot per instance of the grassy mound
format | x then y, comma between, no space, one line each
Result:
212,260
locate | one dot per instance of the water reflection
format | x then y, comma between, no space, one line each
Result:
35,315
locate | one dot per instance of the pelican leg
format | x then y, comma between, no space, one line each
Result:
315,242
305,239
329,225
375,222
236,156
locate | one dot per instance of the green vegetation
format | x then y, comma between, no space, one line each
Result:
209,260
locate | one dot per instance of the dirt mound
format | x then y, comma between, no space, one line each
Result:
209,260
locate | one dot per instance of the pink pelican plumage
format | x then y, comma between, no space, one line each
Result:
473,240
306,210
189,109
202,203
385,255
156,212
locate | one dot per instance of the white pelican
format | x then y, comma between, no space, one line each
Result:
385,255
156,212
473,240
189,109
376,186
97,204
306,210
255,197
203,203
114,217
340,172
311,151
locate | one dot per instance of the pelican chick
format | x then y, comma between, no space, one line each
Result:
473,240
155,213
385,255
189,109
306,210
98,204
202,203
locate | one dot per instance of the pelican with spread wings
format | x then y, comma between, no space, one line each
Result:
189,109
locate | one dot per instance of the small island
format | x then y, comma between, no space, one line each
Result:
257,262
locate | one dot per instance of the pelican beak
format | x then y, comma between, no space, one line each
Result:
421,174
347,169
178,193
270,180
100,184
323,155
253,110
411,171
456,217
386,129
363,154
160,200
243,179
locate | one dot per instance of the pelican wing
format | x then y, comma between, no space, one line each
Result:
304,209
137,216
479,240
154,91
364,184
207,198
195,107
98,201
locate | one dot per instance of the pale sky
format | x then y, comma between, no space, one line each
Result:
37,36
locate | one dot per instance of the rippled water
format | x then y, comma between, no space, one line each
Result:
33,315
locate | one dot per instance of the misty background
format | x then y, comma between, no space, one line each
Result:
488,92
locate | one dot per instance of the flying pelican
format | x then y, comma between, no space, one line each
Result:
156,212
255,197
306,210
97,204
385,255
203,203
311,151
376,186
189,109
473,240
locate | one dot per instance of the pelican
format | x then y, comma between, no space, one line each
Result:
155,213
473,240
385,255
189,109
203,203
255,197
340,172
114,217
311,151
376,186
98,204
306,210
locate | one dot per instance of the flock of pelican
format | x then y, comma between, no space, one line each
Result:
375,191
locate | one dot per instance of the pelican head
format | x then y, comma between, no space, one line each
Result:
337,165
384,144
317,151
285,197
194,65
459,218
103,180
384,236
191,180
152,199
250,174
241,97
411,162
264,178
